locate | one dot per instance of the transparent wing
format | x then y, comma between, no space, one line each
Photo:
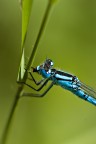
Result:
87,89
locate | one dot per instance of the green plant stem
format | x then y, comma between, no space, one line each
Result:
21,87
39,34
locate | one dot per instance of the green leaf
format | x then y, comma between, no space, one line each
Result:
21,68
26,10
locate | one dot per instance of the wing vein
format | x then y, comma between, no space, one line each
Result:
87,89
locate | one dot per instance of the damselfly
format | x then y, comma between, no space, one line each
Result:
61,78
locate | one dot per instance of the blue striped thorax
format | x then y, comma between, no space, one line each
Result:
45,68
43,72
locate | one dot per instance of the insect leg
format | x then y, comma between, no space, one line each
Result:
39,95
46,81
37,83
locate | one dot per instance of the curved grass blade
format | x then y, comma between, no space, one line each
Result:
26,10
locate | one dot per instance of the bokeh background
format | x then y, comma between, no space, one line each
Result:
69,39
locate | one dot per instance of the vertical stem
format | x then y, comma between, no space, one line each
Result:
39,34
20,88
3,140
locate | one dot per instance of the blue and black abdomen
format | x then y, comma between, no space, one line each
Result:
72,83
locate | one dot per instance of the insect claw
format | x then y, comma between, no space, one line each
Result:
34,69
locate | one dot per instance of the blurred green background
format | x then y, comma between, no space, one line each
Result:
69,40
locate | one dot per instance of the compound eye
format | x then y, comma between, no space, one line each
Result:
47,65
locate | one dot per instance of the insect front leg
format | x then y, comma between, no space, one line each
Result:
39,95
46,81
36,82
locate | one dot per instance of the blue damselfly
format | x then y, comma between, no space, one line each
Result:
61,78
